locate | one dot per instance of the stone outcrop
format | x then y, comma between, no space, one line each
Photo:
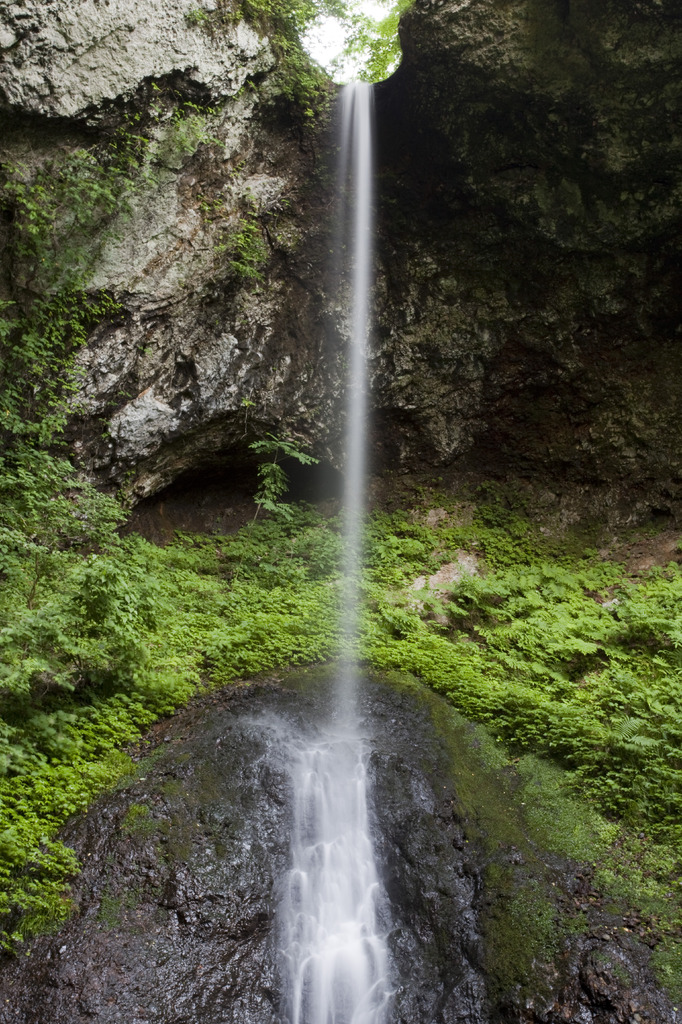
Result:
531,183
203,355
527,304
71,60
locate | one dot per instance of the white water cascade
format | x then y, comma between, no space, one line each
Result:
335,953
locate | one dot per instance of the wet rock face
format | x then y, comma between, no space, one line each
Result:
432,884
530,160
183,869
177,903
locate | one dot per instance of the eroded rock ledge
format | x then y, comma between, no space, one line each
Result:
202,356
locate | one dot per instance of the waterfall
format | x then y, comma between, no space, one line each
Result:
355,180
337,964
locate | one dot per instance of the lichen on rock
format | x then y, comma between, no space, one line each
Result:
70,60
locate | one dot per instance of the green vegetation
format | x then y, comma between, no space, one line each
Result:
247,247
111,640
520,899
96,645
56,212
558,652
371,43
517,807
113,909
273,482
284,21
244,245
374,42
138,821
63,213
302,83
197,16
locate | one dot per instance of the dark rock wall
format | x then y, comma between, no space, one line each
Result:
531,175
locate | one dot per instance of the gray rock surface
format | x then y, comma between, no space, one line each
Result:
69,58
202,357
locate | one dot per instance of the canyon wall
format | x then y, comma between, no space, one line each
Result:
527,304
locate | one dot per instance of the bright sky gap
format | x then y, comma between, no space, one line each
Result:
326,39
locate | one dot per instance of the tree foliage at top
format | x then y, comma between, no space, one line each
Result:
373,42
371,48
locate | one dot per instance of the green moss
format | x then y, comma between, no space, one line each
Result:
522,812
132,771
113,907
615,967
178,836
553,666
557,819
139,821
172,788
522,933
109,913
558,653
667,962
522,925
198,16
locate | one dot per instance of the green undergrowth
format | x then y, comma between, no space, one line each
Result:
100,636
96,645
559,653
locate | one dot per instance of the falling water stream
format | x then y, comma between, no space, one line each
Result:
335,952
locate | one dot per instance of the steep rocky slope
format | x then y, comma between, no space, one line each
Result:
175,923
527,301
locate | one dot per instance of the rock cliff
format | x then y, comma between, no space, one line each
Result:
527,300
218,328
531,184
